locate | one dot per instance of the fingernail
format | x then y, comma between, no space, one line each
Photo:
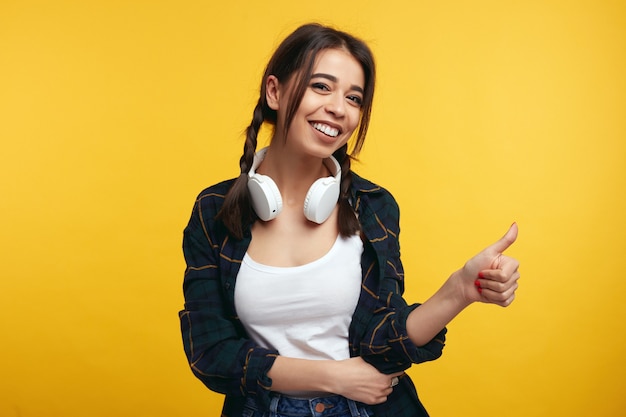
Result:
481,275
477,283
480,290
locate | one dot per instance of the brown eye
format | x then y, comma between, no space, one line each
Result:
320,86
356,100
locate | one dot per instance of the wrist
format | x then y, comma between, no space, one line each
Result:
458,289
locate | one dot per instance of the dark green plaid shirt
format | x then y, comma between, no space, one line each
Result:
227,361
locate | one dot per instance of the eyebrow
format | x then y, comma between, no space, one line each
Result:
334,79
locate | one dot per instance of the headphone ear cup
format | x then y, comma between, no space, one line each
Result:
266,199
321,199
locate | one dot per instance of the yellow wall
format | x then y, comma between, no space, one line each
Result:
115,114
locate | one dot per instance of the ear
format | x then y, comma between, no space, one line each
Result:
272,92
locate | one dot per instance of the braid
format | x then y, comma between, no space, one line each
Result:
237,210
252,132
347,220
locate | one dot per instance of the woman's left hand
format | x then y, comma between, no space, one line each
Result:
491,276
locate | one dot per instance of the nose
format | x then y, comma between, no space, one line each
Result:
336,105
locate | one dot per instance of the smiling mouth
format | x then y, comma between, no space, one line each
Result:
325,129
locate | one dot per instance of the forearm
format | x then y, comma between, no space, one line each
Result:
291,374
426,321
353,378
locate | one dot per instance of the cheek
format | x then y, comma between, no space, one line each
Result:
355,118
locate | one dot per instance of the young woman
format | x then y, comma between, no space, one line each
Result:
294,283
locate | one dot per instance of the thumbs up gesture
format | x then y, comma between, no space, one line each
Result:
491,276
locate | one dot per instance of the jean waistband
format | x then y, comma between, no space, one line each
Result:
327,406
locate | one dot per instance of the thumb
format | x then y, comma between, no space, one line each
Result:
505,241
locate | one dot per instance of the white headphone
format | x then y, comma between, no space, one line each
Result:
319,202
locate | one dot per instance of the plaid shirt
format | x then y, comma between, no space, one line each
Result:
227,361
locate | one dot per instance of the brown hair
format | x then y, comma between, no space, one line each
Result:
297,53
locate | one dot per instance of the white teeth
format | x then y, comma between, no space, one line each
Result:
327,130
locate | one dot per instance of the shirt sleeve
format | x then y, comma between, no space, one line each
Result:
386,344
218,351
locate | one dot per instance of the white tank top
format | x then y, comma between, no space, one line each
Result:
304,311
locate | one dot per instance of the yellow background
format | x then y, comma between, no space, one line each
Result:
115,114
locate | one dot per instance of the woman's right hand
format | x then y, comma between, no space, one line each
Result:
359,381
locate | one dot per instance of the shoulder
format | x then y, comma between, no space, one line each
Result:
207,204
213,197
218,190
374,196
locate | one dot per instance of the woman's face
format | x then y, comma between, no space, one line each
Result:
330,109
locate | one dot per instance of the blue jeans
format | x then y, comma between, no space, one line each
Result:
331,406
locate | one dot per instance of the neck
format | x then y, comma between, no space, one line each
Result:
292,173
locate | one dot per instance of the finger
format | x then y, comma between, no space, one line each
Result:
506,302
505,241
394,378
383,398
504,271
509,266
500,301
500,296
498,286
